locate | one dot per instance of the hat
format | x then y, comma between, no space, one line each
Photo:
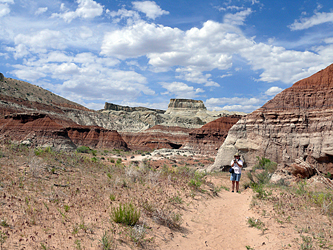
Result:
237,154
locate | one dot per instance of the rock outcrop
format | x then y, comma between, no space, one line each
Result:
157,137
297,123
177,105
2,77
96,137
38,130
208,139
115,107
42,130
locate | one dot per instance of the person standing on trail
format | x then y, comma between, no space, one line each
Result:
236,165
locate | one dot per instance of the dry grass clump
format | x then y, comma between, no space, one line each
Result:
58,200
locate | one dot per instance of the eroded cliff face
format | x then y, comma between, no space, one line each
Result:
157,137
208,139
42,130
297,123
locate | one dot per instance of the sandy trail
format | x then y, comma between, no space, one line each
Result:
221,223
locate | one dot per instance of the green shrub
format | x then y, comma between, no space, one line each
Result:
266,167
126,214
259,189
119,161
83,149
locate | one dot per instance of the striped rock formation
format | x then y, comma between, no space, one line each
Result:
297,123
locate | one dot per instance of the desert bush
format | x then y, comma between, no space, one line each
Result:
86,150
259,188
170,219
197,180
126,214
256,223
108,242
36,167
266,168
137,234
176,200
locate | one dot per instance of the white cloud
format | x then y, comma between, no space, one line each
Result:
4,9
40,41
7,1
195,76
211,47
41,10
86,9
273,91
150,8
231,7
140,39
328,40
238,18
317,19
181,90
80,74
234,104
117,16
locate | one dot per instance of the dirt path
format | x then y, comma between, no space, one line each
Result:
221,223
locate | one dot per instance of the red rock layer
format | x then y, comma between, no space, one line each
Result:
209,138
157,137
44,130
297,123
96,137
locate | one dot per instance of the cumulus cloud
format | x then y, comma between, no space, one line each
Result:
41,10
191,75
234,103
273,91
139,39
317,19
117,16
80,74
212,46
4,9
86,9
150,8
181,90
238,18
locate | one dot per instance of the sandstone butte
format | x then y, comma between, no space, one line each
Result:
46,131
296,124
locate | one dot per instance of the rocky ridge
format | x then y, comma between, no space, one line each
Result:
42,130
297,123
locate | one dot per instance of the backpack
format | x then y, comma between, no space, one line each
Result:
231,170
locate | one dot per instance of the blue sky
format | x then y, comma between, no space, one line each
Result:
233,55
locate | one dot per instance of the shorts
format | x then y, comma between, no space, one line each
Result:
235,177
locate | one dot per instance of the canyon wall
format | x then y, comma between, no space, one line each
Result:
297,123
208,139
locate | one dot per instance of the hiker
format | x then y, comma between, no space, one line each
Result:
236,165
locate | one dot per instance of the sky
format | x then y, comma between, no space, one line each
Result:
233,55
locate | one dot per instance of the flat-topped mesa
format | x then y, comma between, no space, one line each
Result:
185,105
115,107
